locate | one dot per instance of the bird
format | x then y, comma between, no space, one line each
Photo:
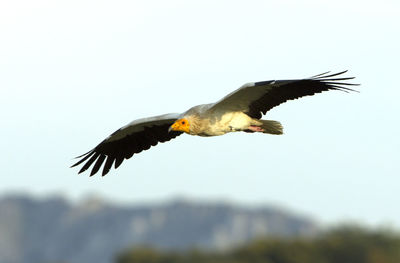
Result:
239,111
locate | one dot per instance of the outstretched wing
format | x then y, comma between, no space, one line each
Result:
133,138
257,98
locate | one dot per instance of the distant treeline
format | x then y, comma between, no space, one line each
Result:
345,244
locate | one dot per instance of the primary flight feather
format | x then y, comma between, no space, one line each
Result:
240,110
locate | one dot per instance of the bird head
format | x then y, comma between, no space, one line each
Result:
180,125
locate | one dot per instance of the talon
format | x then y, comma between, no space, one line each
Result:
256,128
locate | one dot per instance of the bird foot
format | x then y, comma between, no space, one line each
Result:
256,128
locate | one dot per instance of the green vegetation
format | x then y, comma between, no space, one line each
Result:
345,244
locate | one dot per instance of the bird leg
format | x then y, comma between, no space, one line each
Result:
255,128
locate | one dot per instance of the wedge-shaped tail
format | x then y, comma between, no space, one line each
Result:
272,127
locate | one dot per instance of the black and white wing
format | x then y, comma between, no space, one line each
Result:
257,98
133,138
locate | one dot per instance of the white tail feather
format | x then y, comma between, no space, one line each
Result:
271,127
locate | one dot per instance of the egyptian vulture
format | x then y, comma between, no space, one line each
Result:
240,110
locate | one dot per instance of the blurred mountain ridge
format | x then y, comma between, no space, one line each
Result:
54,229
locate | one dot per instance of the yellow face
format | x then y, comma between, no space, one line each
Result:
180,125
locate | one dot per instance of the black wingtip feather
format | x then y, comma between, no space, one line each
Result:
118,161
340,83
88,154
341,79
83,154
89,163
344,89
320,76
98,164
107,165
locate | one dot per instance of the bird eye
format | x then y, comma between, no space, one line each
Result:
183,122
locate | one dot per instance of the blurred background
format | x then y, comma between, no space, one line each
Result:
73,72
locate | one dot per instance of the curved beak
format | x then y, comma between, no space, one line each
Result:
180,125
172,127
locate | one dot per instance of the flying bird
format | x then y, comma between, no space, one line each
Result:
240,110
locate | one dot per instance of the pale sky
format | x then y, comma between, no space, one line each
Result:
72,72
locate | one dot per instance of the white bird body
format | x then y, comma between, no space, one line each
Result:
234,121
219,122
240,110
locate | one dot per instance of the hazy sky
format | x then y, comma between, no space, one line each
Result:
72,72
